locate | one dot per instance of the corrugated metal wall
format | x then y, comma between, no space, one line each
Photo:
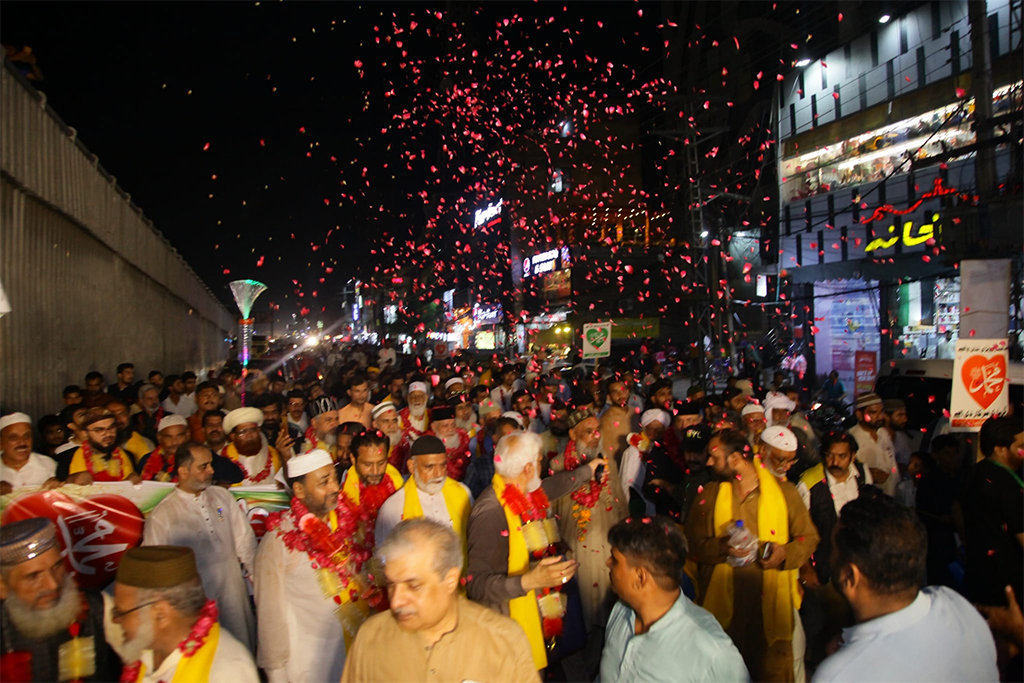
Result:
90,281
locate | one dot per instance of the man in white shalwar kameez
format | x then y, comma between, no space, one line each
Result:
207,519
301,631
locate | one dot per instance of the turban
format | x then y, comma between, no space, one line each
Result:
308,462
14,419
780,437
25,540
655,415
240,416
157,566
172,421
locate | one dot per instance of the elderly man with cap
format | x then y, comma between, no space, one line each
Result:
457,443
416,416
51,630
385,419
99,458
516,558
19,466
323,422
359,408
874,447
778,450
634,460
755,600
754,424
454,387
171,433
310,583
171,628
258,460
207,519
430,492
586,515
440,634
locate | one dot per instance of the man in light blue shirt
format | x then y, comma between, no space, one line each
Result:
655,633
903,632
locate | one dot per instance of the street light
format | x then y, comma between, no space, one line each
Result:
803,63
884,19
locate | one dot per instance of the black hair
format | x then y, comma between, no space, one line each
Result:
944,441
658,386
998,432
352,428
124,366
171,379
521,393
837,437
187,375
886,540
94,374
372,439
296,393
357,379
68,414
154,373
655,543
71,389
203,386
731,392
734,441
211,413
184,456
47,421
788,389
267,400
506,422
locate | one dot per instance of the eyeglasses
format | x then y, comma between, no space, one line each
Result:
117,614
248,430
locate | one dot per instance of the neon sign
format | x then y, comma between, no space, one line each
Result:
937,191
926,233
482,216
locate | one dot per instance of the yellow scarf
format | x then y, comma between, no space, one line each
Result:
351,486
194,669
456,501
232,454
779,593
524,610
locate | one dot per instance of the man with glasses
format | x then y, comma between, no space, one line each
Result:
99,458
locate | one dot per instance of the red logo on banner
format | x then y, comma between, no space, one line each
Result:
94,532
984,378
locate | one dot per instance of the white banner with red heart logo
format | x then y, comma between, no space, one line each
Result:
980,383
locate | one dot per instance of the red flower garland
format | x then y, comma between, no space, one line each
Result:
87,455
372,497
585,497
193,641
407,420
457,457
264,473
155,465
528,508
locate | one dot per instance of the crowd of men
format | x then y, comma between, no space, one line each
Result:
512,522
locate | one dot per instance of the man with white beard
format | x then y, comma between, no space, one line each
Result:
171,629
46,620
385,419
427,493
415,417
455,440
465,418
586,515
322,423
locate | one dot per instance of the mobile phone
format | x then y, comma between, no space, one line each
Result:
767,551
599,472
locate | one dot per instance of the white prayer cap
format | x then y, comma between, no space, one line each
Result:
517,416
418,386
778,401
746,386
382,408
241,416
752,408
453,381
780,437
308,462
14,419
171,421
655,415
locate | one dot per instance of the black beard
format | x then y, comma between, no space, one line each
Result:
104,450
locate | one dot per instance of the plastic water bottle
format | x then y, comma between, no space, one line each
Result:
741,539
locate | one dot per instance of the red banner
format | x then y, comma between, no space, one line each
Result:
865,372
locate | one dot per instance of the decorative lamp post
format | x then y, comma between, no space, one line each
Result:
245,293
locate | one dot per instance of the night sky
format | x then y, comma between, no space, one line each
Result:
287,142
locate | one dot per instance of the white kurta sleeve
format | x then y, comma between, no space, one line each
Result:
274,640
157,530
245,539
389,515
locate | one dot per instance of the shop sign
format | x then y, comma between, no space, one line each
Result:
483,216
980,383
546,262
597,340
909,238
636,328
487,314
865,372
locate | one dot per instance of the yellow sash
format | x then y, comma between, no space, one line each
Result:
350,614
194,669
275,459
351,486
780,593
524,610
456,500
